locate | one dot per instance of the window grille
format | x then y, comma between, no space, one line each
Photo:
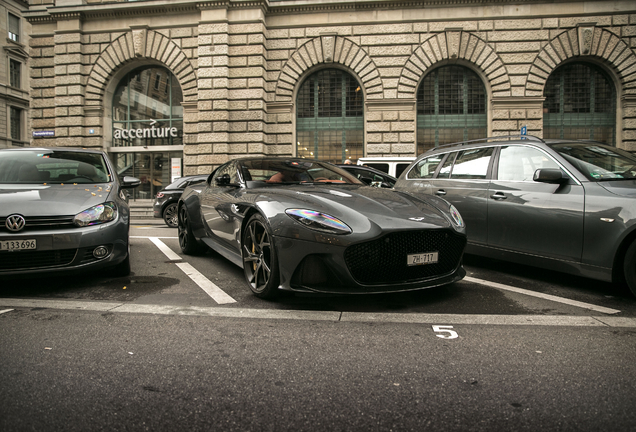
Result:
451,107
330,117
16,123
14,72
580,103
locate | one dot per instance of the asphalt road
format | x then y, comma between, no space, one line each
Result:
508,348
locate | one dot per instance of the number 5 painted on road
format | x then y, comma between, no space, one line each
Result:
452,334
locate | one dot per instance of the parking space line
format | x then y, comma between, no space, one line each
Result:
553,298
217,294
172,256
347,317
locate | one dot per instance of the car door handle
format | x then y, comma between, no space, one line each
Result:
498,196
440,192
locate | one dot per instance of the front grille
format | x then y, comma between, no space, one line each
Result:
36,259
35,223
384,260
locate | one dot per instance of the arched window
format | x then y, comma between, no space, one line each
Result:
147,109
580,103
451,107
329,117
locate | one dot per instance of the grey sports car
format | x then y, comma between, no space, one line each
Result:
61,209
304,225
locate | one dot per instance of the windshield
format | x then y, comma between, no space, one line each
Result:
52,167
289,171
599,162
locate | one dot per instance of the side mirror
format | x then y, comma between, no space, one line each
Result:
223,180
550,175
129,182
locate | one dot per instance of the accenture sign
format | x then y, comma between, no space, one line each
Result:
151,132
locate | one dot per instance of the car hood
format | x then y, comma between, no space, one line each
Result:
358,205
52,200
625,188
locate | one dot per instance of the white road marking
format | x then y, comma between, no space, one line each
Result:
407,318
172,256
6,310
563,300
217,294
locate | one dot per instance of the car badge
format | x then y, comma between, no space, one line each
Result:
418,219
15,223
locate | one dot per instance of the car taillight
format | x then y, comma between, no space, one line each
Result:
160,195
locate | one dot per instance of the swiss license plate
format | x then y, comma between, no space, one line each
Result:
14,245
422,258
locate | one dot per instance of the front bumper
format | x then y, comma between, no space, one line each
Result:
325,268
67,250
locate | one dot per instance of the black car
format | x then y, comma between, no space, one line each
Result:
305,225
558,204
165,205
370,176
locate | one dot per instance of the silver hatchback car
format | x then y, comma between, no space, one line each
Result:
563,205
62,209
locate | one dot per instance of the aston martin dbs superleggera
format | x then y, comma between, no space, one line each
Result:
309,226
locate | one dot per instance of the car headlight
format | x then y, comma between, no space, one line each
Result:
319,221
456,217
95,215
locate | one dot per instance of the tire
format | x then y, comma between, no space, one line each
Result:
629,267
188,243
171,215
260,263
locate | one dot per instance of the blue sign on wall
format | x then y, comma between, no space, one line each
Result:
40,134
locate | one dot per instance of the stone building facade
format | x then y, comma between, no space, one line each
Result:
14,75
235,70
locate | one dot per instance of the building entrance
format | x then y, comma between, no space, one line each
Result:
156,170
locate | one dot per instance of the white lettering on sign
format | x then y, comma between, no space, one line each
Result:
151,132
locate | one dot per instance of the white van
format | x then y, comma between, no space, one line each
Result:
390,165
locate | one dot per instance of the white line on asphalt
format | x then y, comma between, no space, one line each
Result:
406,318
6,310
217,294
543,296
165,249
159,237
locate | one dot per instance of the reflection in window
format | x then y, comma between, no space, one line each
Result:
472,164
517,163
15,68
451,107
580,103
329,123
147,109
425,168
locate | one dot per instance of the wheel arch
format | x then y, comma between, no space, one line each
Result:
618,274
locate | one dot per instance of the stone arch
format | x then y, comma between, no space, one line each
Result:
581,43
134,45
324,50
449,46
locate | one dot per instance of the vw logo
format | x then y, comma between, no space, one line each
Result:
15,223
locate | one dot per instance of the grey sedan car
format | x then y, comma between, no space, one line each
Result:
563,205
62,209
